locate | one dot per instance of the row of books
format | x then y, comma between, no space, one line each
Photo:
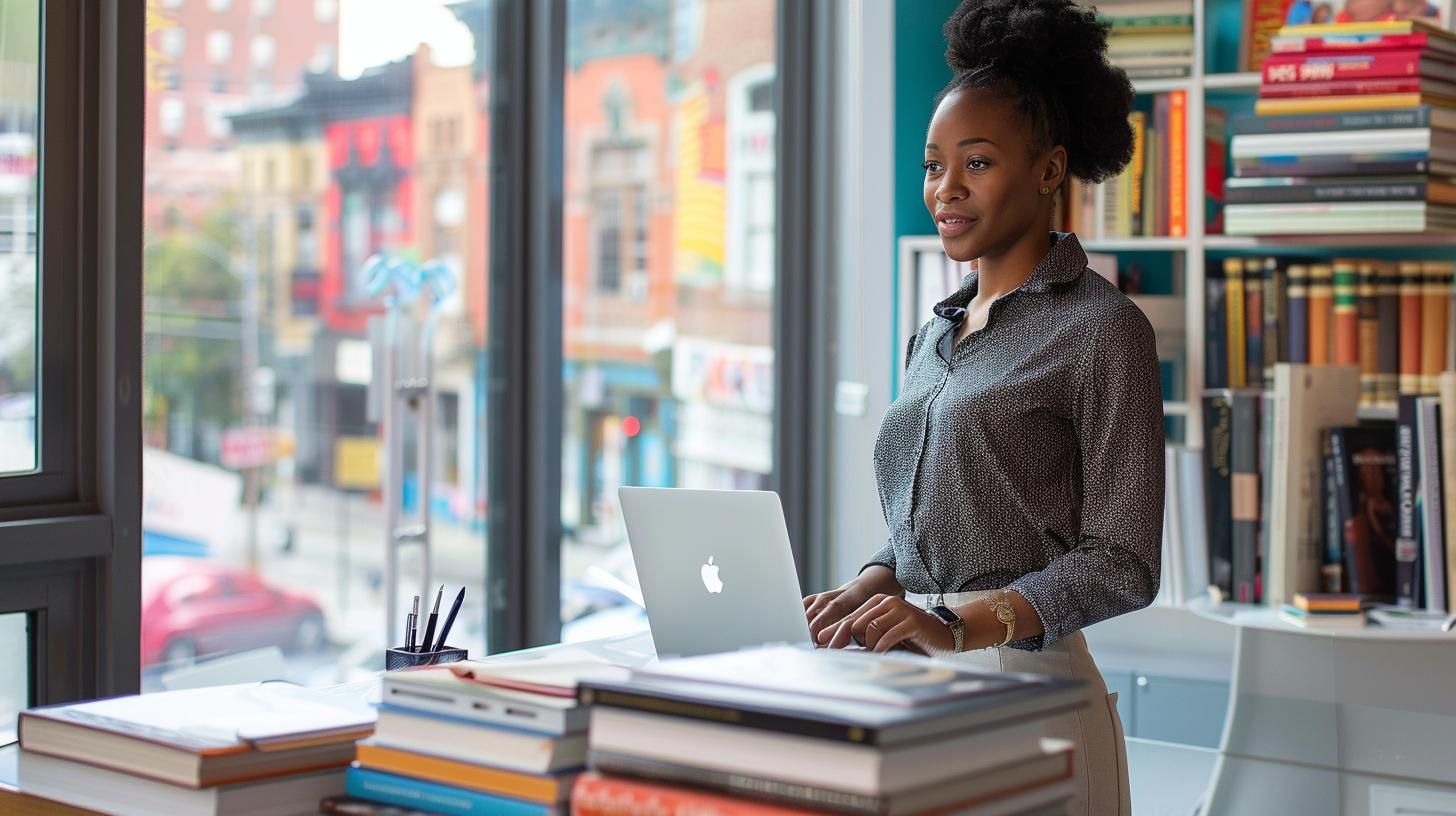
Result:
1149,197
1150,39
1263,20
1394,320
1354,132
1301,496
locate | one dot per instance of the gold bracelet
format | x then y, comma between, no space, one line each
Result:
1005,613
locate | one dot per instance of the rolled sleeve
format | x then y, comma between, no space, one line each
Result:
884,557
1118,415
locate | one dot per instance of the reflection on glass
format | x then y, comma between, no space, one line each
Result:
325,135
19,109
669,272
14,672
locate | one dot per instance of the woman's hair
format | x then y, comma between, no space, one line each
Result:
1051,55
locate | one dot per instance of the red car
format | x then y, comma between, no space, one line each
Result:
192,607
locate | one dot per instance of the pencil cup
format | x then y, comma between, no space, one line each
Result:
399,658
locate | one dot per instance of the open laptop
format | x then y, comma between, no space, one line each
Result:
716,569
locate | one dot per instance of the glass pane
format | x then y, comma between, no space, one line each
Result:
19,151
669,272
14,672
315,220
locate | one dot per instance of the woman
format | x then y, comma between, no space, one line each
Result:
1021,469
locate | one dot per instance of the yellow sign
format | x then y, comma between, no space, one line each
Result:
356,462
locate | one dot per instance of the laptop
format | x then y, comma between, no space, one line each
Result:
716,569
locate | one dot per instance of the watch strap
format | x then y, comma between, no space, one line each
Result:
954,622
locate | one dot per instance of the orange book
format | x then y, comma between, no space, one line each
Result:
1412,296
1435,295
1347,323
597,795
534,788
1178,164
1321,314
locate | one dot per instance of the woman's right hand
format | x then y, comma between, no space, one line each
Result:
825,609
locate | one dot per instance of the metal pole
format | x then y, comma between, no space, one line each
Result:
394,461
250,372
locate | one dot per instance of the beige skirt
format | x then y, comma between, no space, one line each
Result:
1100,759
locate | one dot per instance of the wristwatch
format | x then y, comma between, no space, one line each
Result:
952,620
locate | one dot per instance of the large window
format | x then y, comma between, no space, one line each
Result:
19,99
314,254
669,269
14,672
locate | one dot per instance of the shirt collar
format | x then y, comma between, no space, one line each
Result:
1063,263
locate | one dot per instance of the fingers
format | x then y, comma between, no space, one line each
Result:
842,633
899,634
830,613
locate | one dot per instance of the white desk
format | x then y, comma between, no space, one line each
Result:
1344,721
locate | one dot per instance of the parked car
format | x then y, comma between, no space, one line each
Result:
192,607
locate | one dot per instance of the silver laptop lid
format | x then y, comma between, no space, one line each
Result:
716,569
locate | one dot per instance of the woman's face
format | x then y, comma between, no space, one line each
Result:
982,185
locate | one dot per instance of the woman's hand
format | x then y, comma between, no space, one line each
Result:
825,609
886,621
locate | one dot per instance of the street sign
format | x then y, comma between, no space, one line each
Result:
254,447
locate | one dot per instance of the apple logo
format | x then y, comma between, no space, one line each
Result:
710,577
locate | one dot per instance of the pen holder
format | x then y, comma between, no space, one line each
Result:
399,658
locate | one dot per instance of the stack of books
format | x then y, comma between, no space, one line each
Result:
1322,610
501,737
786,729
1150,39
224,751
1355,132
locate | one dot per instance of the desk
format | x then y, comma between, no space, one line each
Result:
1353,722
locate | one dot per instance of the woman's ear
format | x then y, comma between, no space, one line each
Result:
1054,168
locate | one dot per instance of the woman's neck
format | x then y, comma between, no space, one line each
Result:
1003,272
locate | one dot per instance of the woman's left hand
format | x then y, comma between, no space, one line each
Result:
886,621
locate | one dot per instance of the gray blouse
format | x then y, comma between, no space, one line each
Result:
1030,456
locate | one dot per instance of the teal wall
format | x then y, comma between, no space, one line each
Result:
920,73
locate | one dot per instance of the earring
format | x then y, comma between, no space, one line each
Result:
1044,191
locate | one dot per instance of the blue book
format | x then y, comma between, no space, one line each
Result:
406,792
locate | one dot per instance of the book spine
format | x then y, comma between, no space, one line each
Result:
1411,308
1448,478
1217,430
1141,24
1178,164
1343,87
1367,305
1265,19
1298,313
1330,104
1215,149
1320,192
407,792
1433,551
1244,494
1250,125
735,784
1343,507
1336,44
1388,325
1287,69
1162,112
1276,319
1346,314
1215,345
1254,322
596,795
1436,290
1137,181
1346,165
591,695
1332,573
1233,270
1321,313
1407,545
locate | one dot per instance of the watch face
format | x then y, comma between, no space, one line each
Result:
945,614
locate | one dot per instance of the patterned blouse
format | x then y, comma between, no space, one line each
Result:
1030,456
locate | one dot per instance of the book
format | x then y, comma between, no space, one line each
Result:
1430,500
1194,533
1178,163
1447,388
1364,460
1307,400
1337,43
1238,359
466,741
1435,292
1393,617
432,797
1359,87
545,788
1407,513
999,781
1281,69
1345,314
1215,344
1137,171
1332,572
1320,620
1388,327
1254,295
1170,589
1411,294
437,690
1386,26
203,737
1437,145
1298,190
1264,19
123,794
1332,104
1339,217
1344,164
1298,297
1276,318
556,675
354,806
1367,308
1321,314
15,803
1215,166
1217,480
1244,490
1422,116
1327,601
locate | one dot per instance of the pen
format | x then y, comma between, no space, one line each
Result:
449,620
410,624
430,624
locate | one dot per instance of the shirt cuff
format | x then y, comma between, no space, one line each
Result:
1045,597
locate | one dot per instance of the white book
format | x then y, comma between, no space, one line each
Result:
1307,400
1430,500
1194,518
120,794
1170,583
523,751
1448,471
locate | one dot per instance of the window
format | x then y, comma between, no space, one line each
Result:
266,466
14,672
173,114
219,47
218,82
19,275
325,10
263,8
172,4
264,50
667,377
219,5
173,41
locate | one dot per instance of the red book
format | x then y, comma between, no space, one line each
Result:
1355,87
1284,68
597,795
1342,45
1412,292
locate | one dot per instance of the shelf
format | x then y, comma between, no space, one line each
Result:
1334,240
1161,244
1259,616
1233,82
1152,86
